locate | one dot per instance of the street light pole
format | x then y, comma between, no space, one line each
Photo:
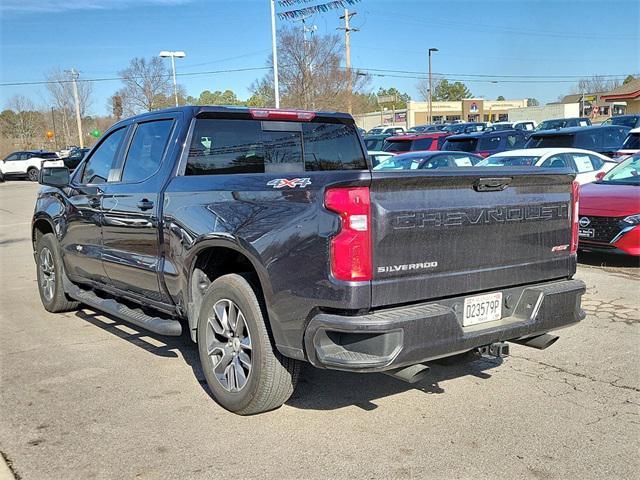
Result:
430,85
173,55
274,48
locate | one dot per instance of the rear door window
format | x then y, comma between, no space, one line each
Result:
557,161
489,143
583,162
146,150
373,144
462,145
397,146
632,142
551,141
421,144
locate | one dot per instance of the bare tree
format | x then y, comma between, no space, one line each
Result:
594,84
22,123
60,89
423,86
310,73
147,86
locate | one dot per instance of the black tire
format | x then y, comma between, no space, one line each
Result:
54,300
271,378
32,174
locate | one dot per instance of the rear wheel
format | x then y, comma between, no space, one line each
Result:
243,370
49,272
32,174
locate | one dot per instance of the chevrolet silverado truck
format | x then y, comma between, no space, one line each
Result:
268,237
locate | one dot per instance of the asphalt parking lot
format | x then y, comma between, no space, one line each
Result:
85,396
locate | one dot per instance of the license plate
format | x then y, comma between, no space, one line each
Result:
482,308
586,232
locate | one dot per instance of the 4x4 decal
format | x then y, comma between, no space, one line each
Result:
289,182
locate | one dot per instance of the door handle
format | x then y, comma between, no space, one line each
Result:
491,184
145,204
94,202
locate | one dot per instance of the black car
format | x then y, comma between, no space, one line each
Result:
375,142
486,143
425,128
604,139
467,127
75,157
631,121
557,123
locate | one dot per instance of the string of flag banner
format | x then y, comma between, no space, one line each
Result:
323,7
288,3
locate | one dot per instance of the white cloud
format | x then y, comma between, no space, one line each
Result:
37,6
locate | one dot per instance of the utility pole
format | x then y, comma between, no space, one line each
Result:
274,47
74,78
430,86
347,46
53,120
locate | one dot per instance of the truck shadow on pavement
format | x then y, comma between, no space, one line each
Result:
608,260
317,389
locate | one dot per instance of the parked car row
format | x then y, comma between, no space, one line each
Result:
27,163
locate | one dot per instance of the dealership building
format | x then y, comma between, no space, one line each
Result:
417,113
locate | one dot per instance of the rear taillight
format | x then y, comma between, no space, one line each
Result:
351,247
266,114
575,205
484,154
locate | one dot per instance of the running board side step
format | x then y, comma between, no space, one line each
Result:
161,326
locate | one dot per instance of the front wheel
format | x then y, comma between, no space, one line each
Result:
49,271
243,370
33,174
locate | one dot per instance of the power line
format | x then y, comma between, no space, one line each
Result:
110,79
485,75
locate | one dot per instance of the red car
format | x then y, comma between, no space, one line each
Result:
609,214
415,143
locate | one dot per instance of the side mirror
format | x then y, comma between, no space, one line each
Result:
54,176
600,175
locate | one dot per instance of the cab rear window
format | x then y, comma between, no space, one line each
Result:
221,146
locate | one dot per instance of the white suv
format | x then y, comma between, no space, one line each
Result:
387,130
27,164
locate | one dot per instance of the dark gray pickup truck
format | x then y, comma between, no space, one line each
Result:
267,236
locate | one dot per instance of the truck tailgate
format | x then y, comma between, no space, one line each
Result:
452,232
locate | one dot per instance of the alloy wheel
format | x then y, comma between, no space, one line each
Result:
229,345
47,274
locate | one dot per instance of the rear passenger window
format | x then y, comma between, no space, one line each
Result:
250,146
489,143
146,150
421,144
583,162
555,161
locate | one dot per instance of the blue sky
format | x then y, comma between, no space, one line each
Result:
528,38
